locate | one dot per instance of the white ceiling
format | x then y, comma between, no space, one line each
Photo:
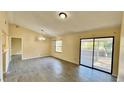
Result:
76,22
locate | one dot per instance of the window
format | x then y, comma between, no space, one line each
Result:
58,45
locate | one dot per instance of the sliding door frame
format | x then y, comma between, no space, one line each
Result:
93,53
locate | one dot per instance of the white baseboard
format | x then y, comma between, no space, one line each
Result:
34,57
66,60
16,54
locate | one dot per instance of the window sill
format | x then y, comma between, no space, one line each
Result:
58,52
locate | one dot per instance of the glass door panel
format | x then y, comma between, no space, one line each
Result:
86,52
103,54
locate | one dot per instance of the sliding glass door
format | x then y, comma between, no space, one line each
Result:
86,52
103,54
97,53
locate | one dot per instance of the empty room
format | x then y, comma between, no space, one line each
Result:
61,46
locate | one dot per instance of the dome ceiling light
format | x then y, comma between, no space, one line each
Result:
62,15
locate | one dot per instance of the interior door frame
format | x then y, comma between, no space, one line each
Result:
93,53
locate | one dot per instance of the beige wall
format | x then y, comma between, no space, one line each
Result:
30,46
71,45
121,58
16,46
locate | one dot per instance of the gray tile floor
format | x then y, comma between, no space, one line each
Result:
50,69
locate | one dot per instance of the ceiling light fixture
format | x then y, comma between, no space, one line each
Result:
41,37
62,15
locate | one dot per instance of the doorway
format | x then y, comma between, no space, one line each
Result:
16,48
97,53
